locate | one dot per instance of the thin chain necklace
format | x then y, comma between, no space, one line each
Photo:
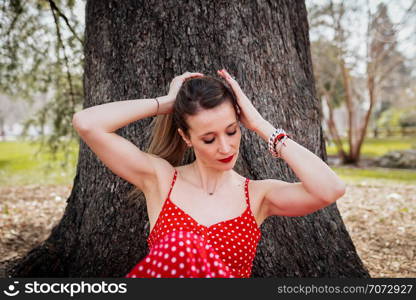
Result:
209,193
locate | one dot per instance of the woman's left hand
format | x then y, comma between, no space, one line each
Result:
249,115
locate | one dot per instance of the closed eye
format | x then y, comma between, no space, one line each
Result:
211,141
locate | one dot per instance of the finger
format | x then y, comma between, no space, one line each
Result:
188,74
229,79
234,84
225,74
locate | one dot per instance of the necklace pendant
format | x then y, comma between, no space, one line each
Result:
211,193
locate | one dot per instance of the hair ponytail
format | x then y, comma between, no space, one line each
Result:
165,140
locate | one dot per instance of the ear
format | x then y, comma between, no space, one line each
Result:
184,137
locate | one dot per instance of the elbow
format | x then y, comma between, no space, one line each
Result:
341,189
79,123
336,192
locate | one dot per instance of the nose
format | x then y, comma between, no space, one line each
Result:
225,146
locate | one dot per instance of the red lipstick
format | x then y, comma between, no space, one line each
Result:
226,160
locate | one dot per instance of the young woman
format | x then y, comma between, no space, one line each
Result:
204,217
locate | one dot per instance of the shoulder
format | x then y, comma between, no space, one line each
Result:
257,190
260,185
255,186
260,189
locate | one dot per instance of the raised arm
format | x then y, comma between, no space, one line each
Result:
319,186
97,125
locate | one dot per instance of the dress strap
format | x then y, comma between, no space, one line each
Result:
246,192
173,182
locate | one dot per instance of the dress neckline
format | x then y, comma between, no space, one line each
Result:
207,227
247,198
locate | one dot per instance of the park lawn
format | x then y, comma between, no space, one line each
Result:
375,175
377,147
21,163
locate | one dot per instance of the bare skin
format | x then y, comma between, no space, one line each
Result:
319,186
227,203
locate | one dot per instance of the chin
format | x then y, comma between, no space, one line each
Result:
229,165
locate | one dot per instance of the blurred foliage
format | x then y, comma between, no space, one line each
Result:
390,118
325,59
397,117
42,54
378,77
408,118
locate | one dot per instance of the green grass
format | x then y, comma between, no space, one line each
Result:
377,147
22,164
373,148
381,175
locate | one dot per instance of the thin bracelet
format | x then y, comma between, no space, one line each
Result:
157,106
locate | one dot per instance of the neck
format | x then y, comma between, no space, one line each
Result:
210,179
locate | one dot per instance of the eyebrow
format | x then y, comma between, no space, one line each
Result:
214,131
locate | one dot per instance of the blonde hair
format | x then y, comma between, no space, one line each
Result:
165,140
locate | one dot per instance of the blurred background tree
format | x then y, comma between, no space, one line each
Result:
41,62
355,48
358,66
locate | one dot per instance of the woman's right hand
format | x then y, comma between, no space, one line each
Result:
177,82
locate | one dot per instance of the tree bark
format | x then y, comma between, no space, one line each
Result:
133,50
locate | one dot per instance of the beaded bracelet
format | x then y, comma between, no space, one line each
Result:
278,137
280,144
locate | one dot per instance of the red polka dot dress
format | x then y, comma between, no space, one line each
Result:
180,247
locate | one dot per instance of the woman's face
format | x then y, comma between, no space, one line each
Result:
215,134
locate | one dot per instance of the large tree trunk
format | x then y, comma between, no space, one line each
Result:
133,50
